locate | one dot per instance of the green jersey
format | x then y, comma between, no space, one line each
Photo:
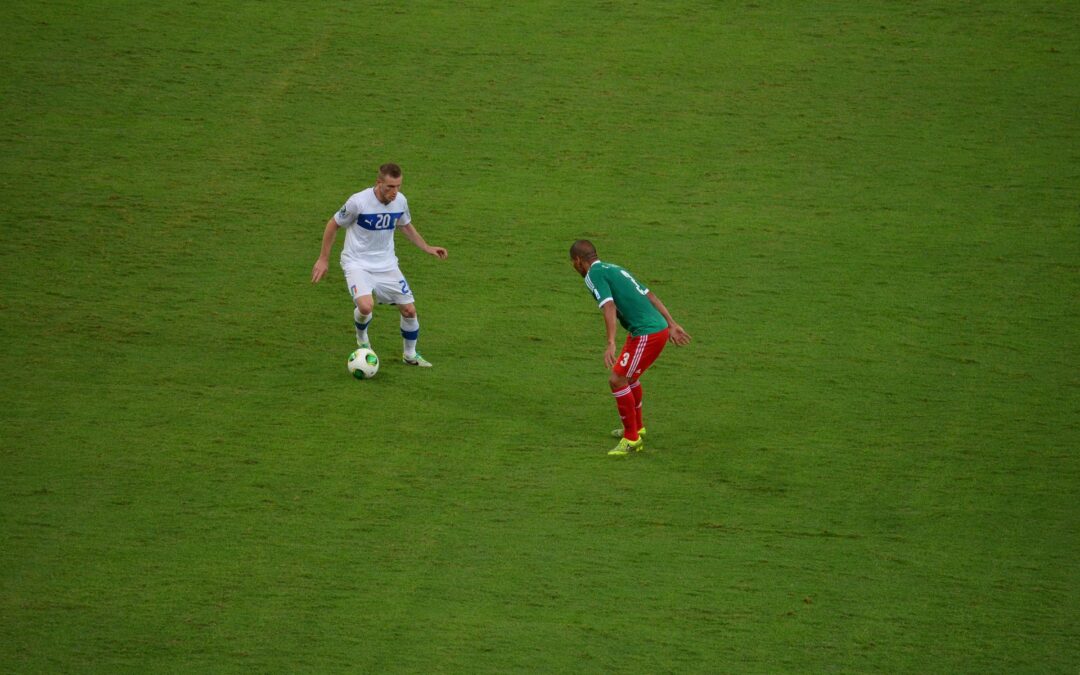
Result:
611,283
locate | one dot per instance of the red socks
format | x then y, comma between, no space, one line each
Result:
624,398
635,388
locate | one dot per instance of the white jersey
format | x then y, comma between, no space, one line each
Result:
369,230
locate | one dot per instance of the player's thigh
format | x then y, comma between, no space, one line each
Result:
625,357
639,353
392,288
361,286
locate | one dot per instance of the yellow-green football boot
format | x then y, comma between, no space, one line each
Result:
415,360
626,446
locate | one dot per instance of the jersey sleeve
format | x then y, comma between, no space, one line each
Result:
600,289
406,217
348,213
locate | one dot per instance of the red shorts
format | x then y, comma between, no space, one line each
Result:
639,353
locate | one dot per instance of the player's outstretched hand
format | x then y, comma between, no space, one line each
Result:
319,270
679,336
439,252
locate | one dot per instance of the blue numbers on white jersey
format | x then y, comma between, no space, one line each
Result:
404,287
634,281
378,221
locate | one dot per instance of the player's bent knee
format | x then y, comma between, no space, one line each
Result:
408,311
366,305
618,381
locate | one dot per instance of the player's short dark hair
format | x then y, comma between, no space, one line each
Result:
389,170
583,249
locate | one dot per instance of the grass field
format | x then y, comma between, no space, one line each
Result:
866,214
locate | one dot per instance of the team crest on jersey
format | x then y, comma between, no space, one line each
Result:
344,211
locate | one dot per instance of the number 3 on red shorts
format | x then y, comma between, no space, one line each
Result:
624,359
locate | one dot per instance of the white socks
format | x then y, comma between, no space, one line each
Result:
410,331
361,321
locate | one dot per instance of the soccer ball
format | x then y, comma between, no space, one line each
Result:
363,364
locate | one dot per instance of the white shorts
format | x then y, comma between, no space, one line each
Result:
388,287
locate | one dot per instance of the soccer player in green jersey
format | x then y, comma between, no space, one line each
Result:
649,326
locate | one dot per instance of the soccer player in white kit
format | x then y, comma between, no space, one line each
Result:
371,267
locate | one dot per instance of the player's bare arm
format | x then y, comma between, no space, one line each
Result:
415,237
609,325
677,334
323,263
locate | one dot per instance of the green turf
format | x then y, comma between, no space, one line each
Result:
864,212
